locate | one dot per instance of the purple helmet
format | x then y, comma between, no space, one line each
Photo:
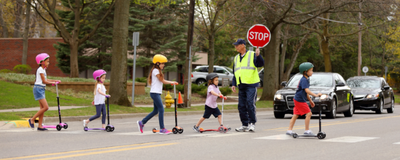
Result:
41,57
98,73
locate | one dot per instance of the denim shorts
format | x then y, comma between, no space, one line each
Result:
38,92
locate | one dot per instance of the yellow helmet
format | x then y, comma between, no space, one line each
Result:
160,59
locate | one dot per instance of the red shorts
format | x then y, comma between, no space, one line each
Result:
300,108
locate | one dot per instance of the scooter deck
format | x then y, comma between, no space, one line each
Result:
154,130
222,130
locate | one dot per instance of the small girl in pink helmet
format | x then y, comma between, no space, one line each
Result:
39,88
99,98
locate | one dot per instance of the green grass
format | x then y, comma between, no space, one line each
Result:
396,98
14,96
19,77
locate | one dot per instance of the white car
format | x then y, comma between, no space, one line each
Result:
200,73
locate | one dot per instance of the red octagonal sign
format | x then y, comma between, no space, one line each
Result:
258,35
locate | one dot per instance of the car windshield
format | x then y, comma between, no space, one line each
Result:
316,80
229,69
363,83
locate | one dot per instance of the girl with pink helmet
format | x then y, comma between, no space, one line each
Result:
99,98
39,88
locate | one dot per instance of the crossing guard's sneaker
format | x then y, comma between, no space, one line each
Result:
140,126
164,131
252,127
242,129
196,128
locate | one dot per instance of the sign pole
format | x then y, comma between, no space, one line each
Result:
135,42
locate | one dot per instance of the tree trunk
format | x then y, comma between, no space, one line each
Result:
271,65
294,58
283,55
211,53
18,15
119,54
326,54
187,78
2,23
73,59
26,33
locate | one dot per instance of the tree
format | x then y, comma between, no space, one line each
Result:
119,54
81,10
26,33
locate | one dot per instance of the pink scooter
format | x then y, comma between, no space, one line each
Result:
109,127
60,124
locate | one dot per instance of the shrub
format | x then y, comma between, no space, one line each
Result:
203,92
168,87
5,71
22,68
197,88
225,91
141,79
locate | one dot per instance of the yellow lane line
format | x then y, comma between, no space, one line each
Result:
332,123
77,151
108,151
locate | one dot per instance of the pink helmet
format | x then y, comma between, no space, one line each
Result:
98,73
41,57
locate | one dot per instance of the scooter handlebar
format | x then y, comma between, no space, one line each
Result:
107,96
55,83
223,97
174,83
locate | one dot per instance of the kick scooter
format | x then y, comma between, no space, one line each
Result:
320,135
60,124
222,128
176,129
109,127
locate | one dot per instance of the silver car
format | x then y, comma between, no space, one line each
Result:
200,73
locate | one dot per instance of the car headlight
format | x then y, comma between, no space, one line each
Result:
278,97
324,96
372,95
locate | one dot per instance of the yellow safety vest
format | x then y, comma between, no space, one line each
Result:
246,70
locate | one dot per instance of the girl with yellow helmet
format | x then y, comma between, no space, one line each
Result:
156,80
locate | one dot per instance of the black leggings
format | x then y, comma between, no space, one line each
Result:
101,108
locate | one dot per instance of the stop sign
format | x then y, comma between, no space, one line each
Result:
258,35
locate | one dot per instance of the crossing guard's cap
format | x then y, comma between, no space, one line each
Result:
240,41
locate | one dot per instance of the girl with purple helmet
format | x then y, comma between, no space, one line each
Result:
99,98
39,88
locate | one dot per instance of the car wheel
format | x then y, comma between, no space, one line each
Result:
379,110
200,82
391,109
279,115
350,112
332,114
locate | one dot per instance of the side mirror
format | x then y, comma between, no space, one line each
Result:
386,87
340,84
283,83
227,73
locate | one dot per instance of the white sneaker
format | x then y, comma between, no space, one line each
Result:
84,123
242,129
308,132
252,127
289,132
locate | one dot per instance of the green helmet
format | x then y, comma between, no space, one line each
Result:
305,66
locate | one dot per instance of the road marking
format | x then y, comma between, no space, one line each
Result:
276,137
397,143
109,151
228,134
324,124
18,130
66,132
349,139
77,151
136,133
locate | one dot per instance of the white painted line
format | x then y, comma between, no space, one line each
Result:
397,143
350,139
227,134
136,133
199,135
66,132
18,130
276,137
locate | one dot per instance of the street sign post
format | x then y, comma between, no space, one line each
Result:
135,43
365,70
258,35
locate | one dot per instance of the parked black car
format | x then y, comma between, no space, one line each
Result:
336,95
371,93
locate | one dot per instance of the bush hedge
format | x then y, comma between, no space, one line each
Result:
22,68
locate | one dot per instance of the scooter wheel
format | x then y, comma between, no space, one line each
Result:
180,131
295,135
58,127
108,128
175,130
65,126
321,135
85,128
112,129
154,130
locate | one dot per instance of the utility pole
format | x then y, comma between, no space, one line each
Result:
187,78
359,42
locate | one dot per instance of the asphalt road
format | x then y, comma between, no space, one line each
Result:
366,135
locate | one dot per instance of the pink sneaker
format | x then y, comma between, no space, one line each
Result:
140,126
164,131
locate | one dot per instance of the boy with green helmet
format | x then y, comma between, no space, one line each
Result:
300,99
